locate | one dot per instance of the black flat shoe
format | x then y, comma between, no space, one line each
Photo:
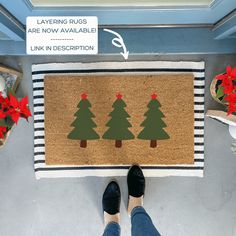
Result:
136,181
111,198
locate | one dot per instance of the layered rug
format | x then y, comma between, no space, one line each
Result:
96,119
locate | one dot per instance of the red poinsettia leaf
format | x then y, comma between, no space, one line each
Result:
3,128
221,77
233,73
228,90
228,70
24,102
2,114
13,101
2,131
15,116
4,102
231,110
26,112
228,98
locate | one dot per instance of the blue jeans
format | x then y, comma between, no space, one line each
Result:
141,225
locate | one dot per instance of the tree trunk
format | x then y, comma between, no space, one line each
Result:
153,143
118,143
83,143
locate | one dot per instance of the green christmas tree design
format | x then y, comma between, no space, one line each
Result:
153,124
83,124
118,124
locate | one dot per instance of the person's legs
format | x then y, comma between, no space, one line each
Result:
142,224
111,209
112,229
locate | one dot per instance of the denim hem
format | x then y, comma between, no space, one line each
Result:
113,223
135,209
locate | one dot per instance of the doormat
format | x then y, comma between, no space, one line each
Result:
108,118
97,119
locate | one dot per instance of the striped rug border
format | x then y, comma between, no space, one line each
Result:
40,70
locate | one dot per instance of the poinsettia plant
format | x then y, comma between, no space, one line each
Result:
226,89
11,110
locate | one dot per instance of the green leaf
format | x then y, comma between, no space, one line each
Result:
10,91
220,92
9,122
3,123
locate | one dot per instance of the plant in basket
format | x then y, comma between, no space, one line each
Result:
11,110
225,89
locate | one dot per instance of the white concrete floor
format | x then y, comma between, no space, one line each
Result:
63,207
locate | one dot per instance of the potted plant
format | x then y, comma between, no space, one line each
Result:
11,110
223,89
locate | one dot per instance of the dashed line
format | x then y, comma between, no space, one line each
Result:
63,39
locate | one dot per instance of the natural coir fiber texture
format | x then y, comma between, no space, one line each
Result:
174,92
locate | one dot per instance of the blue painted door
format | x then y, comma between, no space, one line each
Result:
13,15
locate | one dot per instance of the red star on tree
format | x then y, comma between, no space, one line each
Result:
154,96
84,96
119,96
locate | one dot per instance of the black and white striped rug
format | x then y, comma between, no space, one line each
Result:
139,67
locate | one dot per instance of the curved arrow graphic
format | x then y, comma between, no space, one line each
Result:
119,42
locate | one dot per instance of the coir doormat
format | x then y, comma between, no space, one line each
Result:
97,119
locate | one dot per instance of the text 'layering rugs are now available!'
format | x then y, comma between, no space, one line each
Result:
96,119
